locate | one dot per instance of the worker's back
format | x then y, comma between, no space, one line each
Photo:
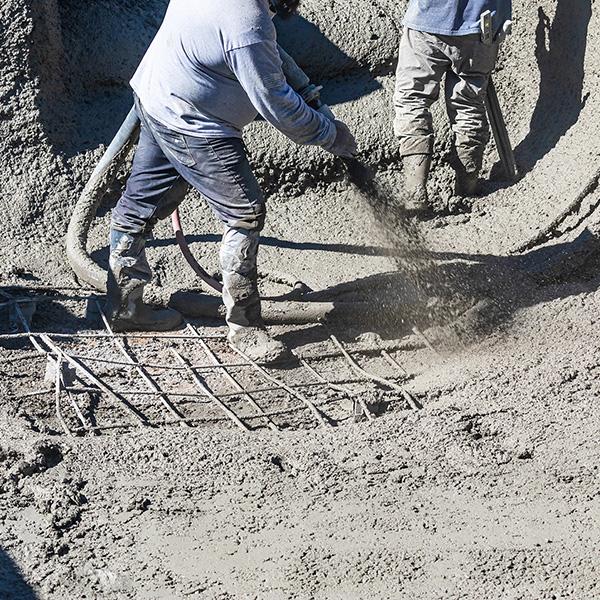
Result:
185,81
454,17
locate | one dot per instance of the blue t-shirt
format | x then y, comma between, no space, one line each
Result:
454,17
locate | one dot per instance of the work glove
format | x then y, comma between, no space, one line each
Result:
344,144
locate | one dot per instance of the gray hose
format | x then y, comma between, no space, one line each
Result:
85,210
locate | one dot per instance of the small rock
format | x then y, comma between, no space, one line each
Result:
369,337
525,454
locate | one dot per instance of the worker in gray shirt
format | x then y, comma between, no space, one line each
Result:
443,38
210,70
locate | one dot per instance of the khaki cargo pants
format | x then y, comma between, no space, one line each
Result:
423,61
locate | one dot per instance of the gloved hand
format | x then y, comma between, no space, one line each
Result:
345,144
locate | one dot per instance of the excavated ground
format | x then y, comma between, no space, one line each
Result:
489,491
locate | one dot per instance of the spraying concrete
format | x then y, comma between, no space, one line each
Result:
487,318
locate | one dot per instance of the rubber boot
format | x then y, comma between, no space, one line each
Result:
128,275
467,183
247,331
416,172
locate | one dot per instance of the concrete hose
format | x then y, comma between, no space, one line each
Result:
85,210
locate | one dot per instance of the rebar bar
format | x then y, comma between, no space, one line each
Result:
207,392
232,380
261,390
164,423
27,329
58,387
76,408
393,362
412,401
425,340
149,336
367,412
165,367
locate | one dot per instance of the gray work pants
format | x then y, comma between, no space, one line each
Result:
423,61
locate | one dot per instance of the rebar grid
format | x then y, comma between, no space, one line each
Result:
45,344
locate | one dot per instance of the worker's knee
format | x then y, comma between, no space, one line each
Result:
469,122
138,210
409,145
248,216
239,249
414,132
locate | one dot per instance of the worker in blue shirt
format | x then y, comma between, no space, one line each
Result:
443,38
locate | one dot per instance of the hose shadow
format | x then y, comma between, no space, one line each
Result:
361,250
560,54
12,582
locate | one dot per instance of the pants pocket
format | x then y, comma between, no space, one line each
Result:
176,144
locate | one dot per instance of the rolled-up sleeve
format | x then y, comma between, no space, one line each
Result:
258,69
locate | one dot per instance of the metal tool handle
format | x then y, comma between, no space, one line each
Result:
487,28
498,125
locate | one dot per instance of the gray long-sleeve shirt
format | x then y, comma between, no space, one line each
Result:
213,66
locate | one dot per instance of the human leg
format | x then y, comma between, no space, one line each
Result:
421,65
154,188
219,169
465,89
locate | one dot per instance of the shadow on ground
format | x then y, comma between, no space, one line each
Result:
12,584
45,312
463,298
560,53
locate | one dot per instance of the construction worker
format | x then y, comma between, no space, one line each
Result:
211,68
443,38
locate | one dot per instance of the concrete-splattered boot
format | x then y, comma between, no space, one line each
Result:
128,274
466,162
416,172
247,331
467,182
